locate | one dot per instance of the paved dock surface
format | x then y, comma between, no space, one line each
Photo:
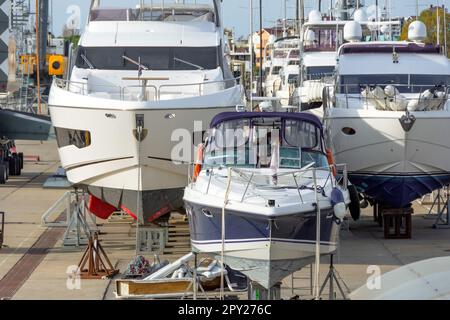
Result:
35,265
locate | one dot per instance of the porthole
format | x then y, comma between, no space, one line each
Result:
349,131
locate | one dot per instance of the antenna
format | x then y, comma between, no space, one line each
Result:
438,22
417,9
250,45
445,29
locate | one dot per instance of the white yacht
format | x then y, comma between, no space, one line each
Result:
388,117
288,79
321,40
266,200
279,55
145,79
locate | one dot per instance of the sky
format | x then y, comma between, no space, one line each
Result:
236,12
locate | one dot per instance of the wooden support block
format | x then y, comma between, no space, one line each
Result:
395,219
161,287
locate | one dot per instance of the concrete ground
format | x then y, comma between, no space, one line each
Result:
24,202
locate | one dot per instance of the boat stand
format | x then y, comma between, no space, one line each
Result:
332,278
78,230
98,264
443,217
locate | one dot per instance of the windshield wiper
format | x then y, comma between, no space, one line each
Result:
189,63
86,60
138,63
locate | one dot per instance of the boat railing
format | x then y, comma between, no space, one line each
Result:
337,174
387,97
145,91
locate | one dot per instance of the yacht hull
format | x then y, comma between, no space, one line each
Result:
392,165
117,163
265,248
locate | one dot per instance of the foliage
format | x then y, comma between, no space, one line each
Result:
429,18
74,39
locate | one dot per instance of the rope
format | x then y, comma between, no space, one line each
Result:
225,202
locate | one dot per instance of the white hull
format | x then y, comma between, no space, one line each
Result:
380,145
116,159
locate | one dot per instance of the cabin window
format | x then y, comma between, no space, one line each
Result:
71,137
276,70
319,72
422,82
293,79
354,83
405,83
154,58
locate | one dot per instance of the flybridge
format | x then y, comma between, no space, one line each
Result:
160,11
386,47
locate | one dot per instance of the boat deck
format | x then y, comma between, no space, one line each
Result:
33,262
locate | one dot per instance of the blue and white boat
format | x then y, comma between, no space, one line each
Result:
265,180
388,117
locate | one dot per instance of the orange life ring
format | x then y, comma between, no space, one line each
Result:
330,159
198,163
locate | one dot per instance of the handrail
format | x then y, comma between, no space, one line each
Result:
330,91
341,179
68,84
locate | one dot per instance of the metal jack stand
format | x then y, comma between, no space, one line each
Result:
195,284
437,202
443,218
78,231
98,264
331,277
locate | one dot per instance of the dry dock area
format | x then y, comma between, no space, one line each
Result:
34,264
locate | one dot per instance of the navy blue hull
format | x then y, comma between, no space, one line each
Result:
244,227
398,191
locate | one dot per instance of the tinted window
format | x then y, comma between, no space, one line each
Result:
405,83
356,82
315,73
69,137
155,58
421,82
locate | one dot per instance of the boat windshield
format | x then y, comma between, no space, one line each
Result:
154,58
405,83
265,143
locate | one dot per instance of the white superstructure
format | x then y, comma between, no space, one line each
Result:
143,80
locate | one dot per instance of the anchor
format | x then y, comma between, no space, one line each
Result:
407,121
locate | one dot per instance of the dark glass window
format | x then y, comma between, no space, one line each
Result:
319,72
355,83
293,79
414,83
155,58
422,82
70,137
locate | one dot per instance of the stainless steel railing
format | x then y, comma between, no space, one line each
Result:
247,177
152,92
343,96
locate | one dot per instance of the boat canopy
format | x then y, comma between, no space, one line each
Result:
230,116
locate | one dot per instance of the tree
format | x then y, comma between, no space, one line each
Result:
429,18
